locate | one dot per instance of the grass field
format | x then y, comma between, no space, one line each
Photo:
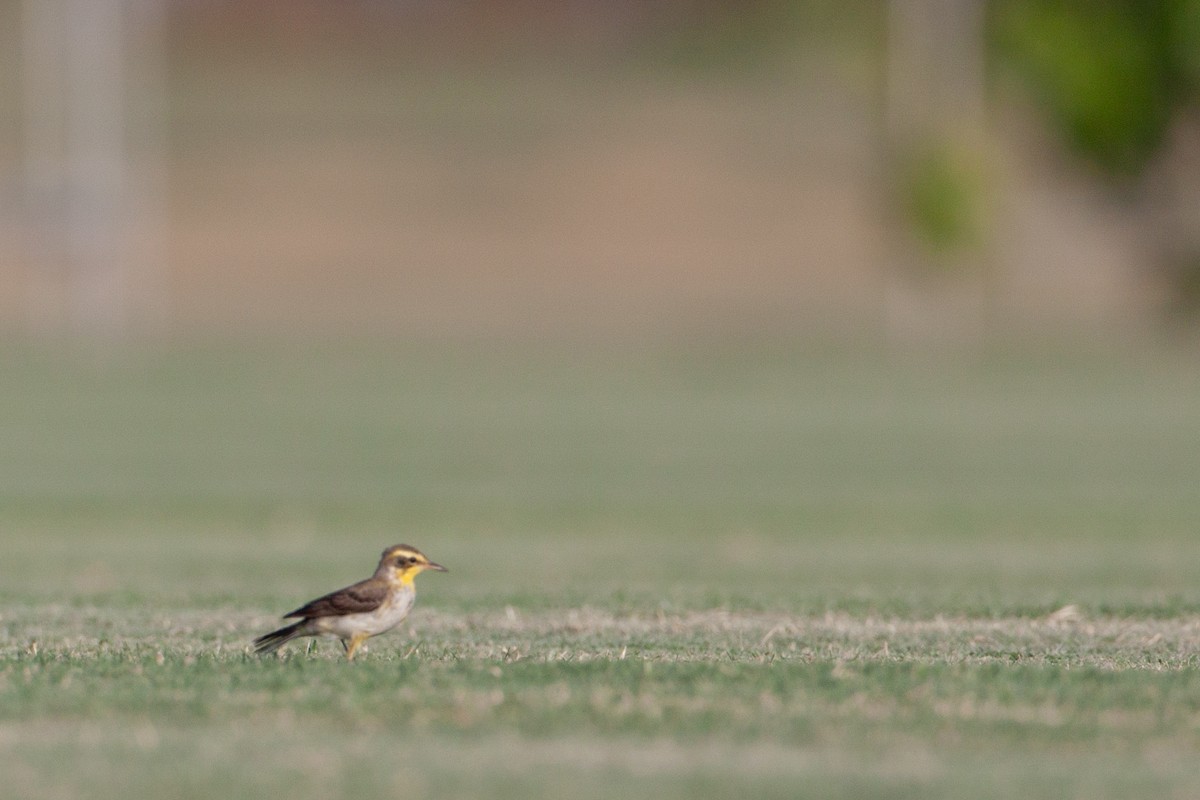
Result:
675,572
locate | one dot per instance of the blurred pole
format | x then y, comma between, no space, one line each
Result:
935,97
43,85
935,80
75,165
95,155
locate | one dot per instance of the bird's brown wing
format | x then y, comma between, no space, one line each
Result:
360,598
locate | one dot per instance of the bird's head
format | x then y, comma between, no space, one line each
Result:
403,562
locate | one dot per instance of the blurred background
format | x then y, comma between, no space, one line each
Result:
526,284
927,170
836,312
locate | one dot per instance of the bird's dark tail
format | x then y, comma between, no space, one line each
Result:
269,643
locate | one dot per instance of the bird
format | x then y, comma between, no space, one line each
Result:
360,611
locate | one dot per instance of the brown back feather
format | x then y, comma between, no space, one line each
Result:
360,598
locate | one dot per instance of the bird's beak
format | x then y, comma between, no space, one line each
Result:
436,567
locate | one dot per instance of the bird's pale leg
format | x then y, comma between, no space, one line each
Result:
355,640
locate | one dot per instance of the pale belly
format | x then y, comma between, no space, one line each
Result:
372,623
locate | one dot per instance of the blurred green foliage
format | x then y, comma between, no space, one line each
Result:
1111,74
941,193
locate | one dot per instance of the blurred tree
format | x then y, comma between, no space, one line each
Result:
1119,80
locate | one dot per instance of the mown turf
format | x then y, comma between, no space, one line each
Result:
673,573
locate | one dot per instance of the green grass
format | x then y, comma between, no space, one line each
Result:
674,573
